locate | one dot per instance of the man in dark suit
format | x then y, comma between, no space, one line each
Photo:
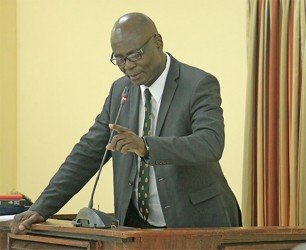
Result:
178,154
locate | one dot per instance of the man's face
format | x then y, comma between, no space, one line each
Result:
146,69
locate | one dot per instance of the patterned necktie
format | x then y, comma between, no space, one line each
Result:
143,181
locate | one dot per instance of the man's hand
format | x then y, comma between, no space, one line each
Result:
22,222
126,141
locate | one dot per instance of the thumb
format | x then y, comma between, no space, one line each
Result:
26,224
21,227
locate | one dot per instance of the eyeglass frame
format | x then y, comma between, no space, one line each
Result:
129,57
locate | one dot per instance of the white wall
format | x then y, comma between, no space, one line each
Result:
8,96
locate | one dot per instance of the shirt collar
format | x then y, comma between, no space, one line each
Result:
157,87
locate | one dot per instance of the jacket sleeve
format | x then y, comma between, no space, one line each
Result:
78,168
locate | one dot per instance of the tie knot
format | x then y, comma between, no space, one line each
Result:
147,94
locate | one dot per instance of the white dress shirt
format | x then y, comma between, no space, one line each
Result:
156,217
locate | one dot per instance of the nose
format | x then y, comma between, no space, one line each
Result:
129,65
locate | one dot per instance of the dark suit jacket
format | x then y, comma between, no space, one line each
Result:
185,152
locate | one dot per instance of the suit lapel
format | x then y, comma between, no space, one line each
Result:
134,97
168,93
132,116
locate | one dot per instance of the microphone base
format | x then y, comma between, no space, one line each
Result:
92,218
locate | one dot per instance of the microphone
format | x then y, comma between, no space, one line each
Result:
88,216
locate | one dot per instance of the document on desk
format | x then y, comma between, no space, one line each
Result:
6,217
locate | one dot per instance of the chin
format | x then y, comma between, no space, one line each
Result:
139,82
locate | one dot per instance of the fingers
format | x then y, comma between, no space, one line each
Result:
125,141
120,143
22,222
26,225
118,128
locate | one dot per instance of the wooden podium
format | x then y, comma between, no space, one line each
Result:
60,234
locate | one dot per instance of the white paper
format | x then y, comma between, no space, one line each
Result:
6,217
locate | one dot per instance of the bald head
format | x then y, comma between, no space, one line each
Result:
132,26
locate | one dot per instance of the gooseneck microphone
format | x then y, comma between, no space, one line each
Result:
88,216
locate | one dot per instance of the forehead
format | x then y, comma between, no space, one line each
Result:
124,43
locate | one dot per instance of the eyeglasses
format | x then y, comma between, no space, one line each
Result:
133,57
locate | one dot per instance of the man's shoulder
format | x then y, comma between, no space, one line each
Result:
188,70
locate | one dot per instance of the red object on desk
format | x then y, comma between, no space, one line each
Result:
11,197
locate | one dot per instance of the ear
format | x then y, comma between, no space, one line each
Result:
159,41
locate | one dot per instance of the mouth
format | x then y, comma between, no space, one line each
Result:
134,77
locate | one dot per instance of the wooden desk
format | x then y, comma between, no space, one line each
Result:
58,234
